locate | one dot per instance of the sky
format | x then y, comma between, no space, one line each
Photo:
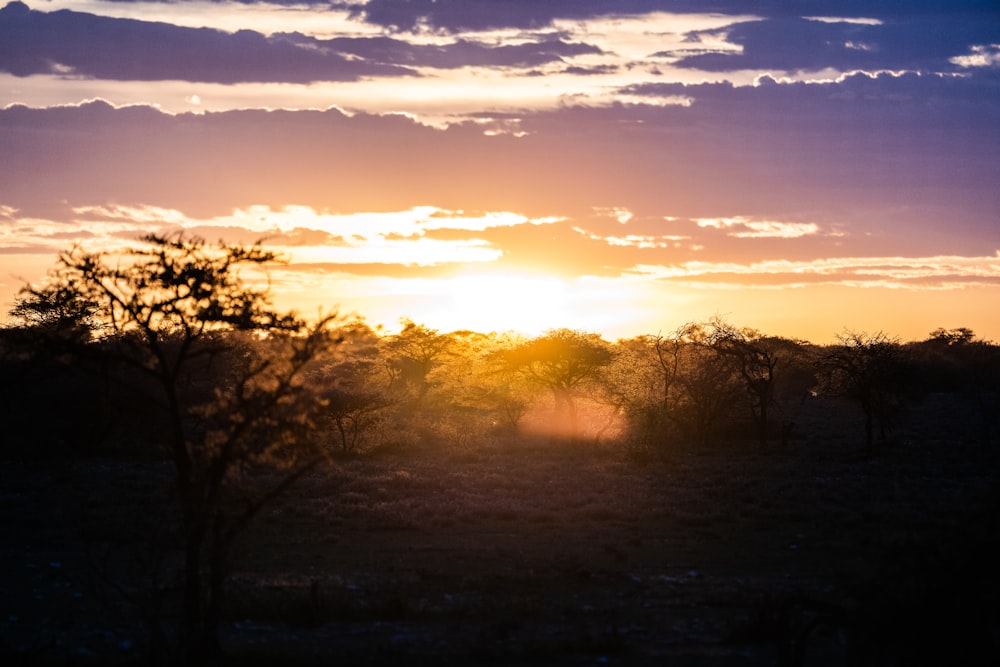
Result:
615,166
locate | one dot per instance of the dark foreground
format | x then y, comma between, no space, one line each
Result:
529,553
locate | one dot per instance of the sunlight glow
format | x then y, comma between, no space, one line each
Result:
396,252
525,304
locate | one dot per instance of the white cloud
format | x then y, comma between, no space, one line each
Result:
140,214
983,55
912,272
619,213
415,221
836,19
641,241
747,228
395,237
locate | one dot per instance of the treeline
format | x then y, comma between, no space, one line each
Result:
704,384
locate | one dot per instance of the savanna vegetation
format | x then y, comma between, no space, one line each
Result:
192,476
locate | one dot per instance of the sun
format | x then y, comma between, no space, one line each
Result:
504,302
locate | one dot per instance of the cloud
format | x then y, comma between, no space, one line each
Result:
744,228
932,272
404,238
537,56
74,44
457,15
454,15
979,55
458,53
796,44
362,226
883,160
638,241
69,43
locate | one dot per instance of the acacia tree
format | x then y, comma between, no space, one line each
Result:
694,386
633,384
759,361
412,354
498,386
352,388
956,360
869,369
224,368
562,361
59,314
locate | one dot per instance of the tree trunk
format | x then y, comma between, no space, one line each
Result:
343,434
762,423
193,540
209,646
566,421
869,428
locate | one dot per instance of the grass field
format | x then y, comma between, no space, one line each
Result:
526,552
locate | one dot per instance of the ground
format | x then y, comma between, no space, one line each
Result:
535,553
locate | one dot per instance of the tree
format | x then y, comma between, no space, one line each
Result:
498,386
758,361
562,361
225,368
869,369
687,386
60,311
956,360
704,385
634,384
352,388
37,368
413,353
950,337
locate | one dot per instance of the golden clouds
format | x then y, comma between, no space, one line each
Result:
747,228
936,272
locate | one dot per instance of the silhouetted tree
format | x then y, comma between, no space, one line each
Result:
950,337
352,388
704,386
57,313
225,369
758,360
37,367
869,369
957,361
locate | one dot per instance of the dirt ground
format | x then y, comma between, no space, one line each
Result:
531,553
